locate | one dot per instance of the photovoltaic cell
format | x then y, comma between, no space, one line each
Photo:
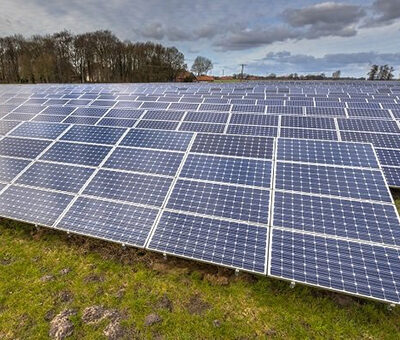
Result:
56,176
32,205
7,125
253,130
25,148
202,127
228,170
352,267
157,124
157,162
392,175
143,189
333,181
93,134
383,140
246,204
165,140
231,244
39,130
308,122
326,152
245,146
388,156
117,222
119,113
308,133
83,154
374,125
253,119
10,168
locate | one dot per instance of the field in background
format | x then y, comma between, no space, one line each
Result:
44,272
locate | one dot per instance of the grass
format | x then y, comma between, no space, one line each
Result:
134,281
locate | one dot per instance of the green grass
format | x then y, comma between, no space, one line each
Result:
133,281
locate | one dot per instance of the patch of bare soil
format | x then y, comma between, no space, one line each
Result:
196,305
61,326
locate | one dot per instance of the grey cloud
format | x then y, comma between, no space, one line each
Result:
246,38
325,13
308,63
385,13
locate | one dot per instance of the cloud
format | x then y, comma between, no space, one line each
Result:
325,19
385,13
286,61
250,38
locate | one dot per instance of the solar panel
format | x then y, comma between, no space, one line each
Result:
245,146
147,161
118,222
351,267
228,191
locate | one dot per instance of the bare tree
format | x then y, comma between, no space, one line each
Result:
201,65
373,72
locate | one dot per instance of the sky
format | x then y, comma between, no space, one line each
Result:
280,37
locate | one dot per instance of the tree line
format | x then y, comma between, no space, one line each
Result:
90,57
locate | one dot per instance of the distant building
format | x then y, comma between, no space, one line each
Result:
205,78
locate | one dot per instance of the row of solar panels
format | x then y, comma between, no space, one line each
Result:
238,201
383,134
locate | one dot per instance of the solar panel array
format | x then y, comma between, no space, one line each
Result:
284,179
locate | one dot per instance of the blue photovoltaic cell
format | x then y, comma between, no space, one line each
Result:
34,109
352,267
154,105
396,114
48,118
33,205
157,162
7,125
39,130
19,116
229,170
325,111
248,108
295,110
120,113
202,127
383,140
10,167
388,156
333,181
56,176
326,152
56,102
78,102
25,148
89,112
103,103
57,110
166,140
308,122
215,107
164,115
246,204
93,134
330,104
308,133
363,104
392,176
253,119
118,222
84,154
183,106
370,113
6,108
253,130
243,101
231,244
81,120
210,117
116,122
191,100
245,146
374,125
143,189
157,124
127,105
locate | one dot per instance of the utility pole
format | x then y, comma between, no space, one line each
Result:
241,73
